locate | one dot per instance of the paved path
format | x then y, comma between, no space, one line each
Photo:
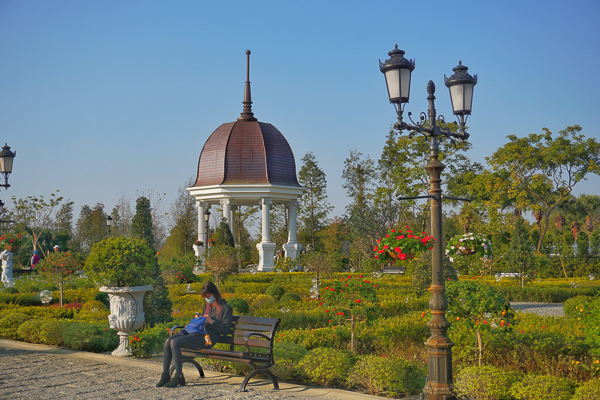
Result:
32,371
549,309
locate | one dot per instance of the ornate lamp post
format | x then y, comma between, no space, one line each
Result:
6,164
206,220
108,224
397,71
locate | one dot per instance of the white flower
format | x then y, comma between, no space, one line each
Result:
452,247
451,259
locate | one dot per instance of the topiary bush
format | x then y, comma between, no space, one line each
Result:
290,298
485,383
24,299
380,375
325,365
43,331
9,325
93,311
240,306
275,291
287,355
89,337
263,300
588,391
542,387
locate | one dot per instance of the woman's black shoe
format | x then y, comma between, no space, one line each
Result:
164,378
178,380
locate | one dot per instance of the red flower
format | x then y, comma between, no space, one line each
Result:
388,235
377,257
357,301
386,247
423,314
401,236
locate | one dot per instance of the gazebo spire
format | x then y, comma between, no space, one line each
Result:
247,114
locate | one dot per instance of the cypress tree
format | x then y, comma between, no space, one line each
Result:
141,225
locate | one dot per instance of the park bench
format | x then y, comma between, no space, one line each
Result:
254,333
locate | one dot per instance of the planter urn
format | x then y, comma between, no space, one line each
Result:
126,313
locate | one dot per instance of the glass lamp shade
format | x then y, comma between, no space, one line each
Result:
461,86
6,159
206,216
397,71
109,221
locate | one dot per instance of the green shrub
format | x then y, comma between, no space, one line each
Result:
588,391
325,365
9,325
102,297
485,383
93,311
149,341
387,376
263,300
542,387
582,306
10,290
89,337
43,331
319,337
275,291
547,294
39,312
287,355
290,298
240,306
24,299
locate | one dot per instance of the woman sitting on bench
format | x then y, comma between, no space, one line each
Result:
218,316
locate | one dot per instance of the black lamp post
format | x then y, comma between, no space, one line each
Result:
397,71
108,224
206,224
6,164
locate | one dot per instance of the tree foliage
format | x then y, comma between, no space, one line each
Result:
141,225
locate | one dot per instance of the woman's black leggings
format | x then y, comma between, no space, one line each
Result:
172,351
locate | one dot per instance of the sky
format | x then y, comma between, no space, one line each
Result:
102,99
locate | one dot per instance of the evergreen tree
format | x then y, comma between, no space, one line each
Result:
141,225
222,235
183,217
521,251
90,228
313,203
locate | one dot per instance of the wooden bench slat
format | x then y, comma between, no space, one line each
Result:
245,332
253,328
258,320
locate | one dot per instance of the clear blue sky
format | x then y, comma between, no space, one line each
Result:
103,98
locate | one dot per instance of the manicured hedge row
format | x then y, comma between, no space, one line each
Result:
547,294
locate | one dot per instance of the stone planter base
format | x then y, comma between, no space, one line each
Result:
126,313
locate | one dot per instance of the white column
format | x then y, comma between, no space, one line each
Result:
266,248
202,207
292,247
226,204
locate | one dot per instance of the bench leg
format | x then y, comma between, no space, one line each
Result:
194,362
258,371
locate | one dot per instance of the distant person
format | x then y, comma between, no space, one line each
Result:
219,316
35,259
56,248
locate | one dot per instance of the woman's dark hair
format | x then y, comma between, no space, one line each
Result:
211,288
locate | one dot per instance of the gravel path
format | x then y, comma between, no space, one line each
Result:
547,309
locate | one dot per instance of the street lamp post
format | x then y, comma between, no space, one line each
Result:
6,164
108,224
397,71
206,226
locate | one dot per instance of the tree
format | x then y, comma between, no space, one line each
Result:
63,225
121,218
58,267
313,203
223,235
90,228
220,262
183,216
36,214
141,225
521,251
543,169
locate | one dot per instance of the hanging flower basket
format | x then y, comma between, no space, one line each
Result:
469,244
12,248
402,244
12,242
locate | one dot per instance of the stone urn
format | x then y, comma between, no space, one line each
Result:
126,313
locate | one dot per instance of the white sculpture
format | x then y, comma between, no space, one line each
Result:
7,268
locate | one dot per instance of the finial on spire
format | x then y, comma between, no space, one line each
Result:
247,114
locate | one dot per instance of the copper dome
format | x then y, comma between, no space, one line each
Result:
246,152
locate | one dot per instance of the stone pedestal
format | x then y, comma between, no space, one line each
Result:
126,313
292,250
266,253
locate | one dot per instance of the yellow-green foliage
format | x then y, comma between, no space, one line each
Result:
485,382
93,311
380,375
263,301
38,311
287,355
78,295
9,324
540,387
588,391
325,365
44,331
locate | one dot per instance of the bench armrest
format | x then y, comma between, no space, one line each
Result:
249,335
172,330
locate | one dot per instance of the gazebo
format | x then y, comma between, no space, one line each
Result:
248,162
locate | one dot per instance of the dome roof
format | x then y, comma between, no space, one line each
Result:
246,152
